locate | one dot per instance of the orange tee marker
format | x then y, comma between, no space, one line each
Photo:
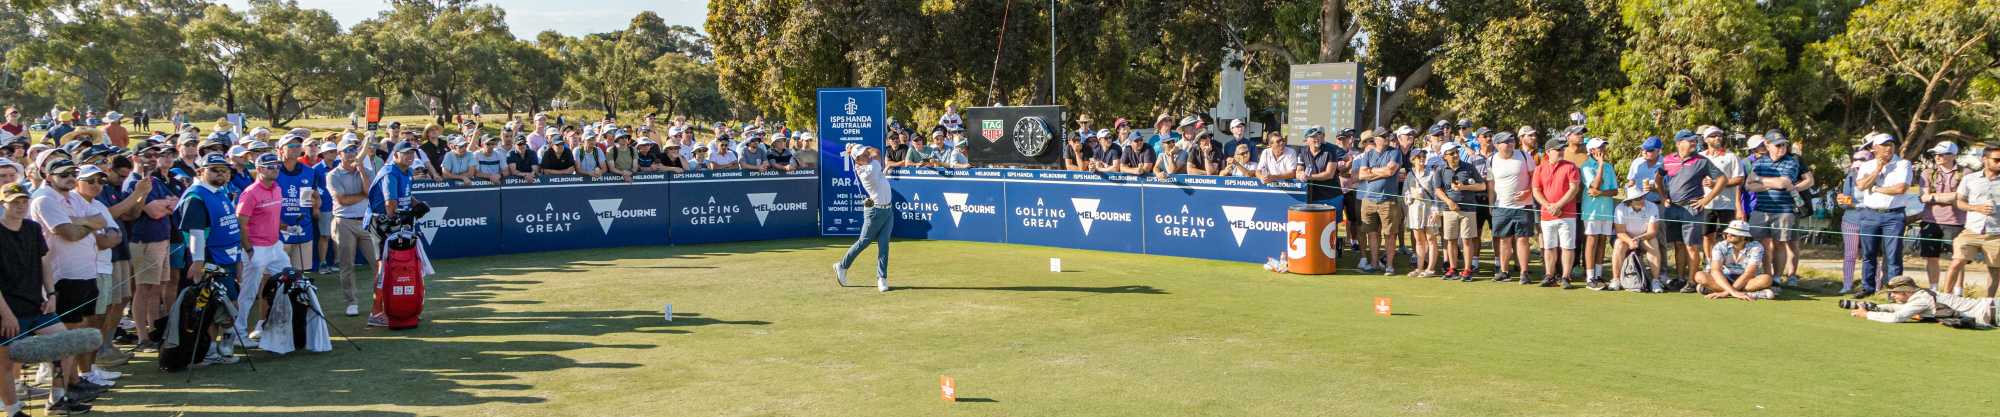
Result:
949,388
1382,306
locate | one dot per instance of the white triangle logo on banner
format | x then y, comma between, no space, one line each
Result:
956,204
760,203
1239,220
1086,210
430,222
606,211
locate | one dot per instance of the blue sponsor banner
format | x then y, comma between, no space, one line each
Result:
558,212
1074,210
846,116
1232,218
463,221
738,206
950,204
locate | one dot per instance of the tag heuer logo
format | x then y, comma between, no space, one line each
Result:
992,130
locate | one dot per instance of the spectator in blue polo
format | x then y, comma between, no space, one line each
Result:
1646,169
390,192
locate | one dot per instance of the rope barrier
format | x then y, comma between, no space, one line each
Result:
1661,218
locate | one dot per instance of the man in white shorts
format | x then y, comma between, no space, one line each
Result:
258,209
1638,225
1556,193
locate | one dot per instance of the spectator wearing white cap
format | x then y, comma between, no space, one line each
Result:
1942,219
806,155
11,172
878,222
1239,134
1172,159
458,163
622,157
76,230
589,153
1456,187
753,156
1104,151
490,161
954,156
114,130
1599,213
1725,207
1883,179
1733,267
1511,173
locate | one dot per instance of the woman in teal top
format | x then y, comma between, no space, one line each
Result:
1600,180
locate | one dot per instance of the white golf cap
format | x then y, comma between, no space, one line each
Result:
1593,143
1406,130
1238,122
1756,141
1448,147
1878,138
1945,148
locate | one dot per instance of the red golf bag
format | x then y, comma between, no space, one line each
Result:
399,291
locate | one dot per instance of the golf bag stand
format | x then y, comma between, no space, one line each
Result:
399,283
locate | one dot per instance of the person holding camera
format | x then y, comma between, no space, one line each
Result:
1913,303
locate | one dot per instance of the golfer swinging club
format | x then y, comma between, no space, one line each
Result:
879,218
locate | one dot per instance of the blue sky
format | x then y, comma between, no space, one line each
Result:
528,17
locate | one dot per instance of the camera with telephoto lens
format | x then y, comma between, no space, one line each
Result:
1854,304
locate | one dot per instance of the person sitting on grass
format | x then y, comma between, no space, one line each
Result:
1638,222
1913,304
1734,267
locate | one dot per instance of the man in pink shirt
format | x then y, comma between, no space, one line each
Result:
257,209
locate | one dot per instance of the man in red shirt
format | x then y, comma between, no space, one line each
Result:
13,123
1555,189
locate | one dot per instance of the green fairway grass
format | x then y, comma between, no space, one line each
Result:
762,330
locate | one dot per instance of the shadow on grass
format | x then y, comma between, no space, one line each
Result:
584,260
465,353
1122,289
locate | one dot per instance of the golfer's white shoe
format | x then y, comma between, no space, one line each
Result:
882,284
839,274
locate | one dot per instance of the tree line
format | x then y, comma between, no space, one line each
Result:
279,61
1826,71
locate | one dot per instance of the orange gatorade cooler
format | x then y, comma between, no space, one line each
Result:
1308,248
